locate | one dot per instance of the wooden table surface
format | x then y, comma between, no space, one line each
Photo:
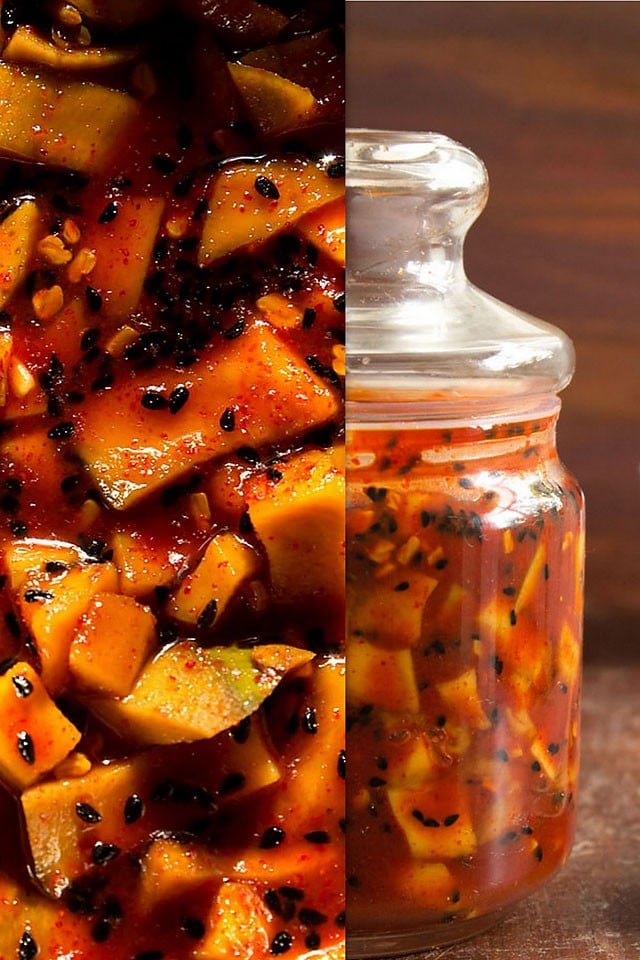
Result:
548,94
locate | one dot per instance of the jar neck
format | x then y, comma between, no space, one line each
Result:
439,443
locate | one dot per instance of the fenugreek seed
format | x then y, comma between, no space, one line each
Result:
81,265
21,380
70,232
47,302
53,250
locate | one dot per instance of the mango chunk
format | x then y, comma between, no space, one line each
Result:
61,123
114,13
35,736
392,616
238,924
140,566
6,346
26,45
435,819
205,593
384,678
51,606
19,233
123,249
276,105
122,803
300,523
132,452
460,695
189,693
326,229
239,214
112,641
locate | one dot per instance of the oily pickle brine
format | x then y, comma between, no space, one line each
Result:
465,542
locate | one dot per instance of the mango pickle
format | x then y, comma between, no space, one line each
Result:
171,480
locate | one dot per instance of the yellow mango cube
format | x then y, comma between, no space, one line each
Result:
435,819
239,214
34,736
111,642
19,233
205,593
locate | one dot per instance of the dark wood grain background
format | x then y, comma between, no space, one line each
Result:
548,94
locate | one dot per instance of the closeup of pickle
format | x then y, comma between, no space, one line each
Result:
172,252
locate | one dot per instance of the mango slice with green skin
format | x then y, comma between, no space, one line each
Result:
191,693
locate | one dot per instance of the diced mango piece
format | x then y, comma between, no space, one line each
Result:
568,656
315,759
31,557
34,735
238,925
276,105
435,819
205,593
239,23
61,123
189,693
6,345
532,579
392,615
132,452
111,642
430,884
461,695
170,871
26,45
51,606
19,233
384,678
123,249
410,760
326,229
141,567
300,522
239,214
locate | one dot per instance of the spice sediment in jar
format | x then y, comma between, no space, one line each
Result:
464,573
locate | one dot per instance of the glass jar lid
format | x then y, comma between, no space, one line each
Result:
417,329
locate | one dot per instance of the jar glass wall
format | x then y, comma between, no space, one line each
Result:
465,544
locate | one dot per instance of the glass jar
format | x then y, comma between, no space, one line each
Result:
465,544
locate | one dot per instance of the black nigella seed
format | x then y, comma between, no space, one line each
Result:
340,920
336,168
61,431
9,503
164,163
232,783
339,303
22,686
272,837
26,747
88,813
281,943
70,482
317,836
93,298
193,927
312,940
310,917
34,595
402,586
101,931
153,400
133,808
553,748
89,337
207,615
450,819
308,318
234,331
104,853
228,420
377,782
342,764
267,188
27,948
310,720
109,213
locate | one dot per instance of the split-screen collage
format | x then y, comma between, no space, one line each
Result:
318,517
